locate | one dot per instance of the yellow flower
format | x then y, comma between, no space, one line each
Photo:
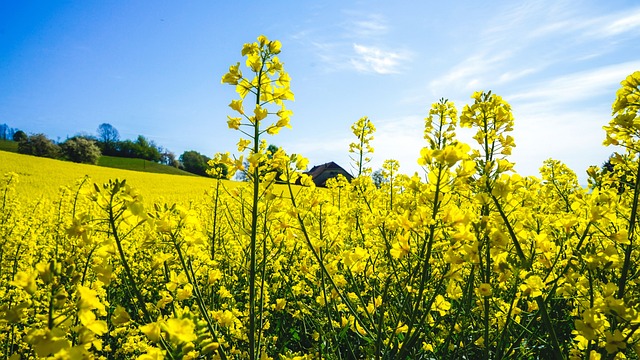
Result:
180,330
88,300
484,290
25,280
441,305
214,275
151,330
275,46
280,304
237,106
260,112
185,292
225,318
120,316
243,144
233,75
591,325
615,341
152,354
88,319
401,248
234,122
532,286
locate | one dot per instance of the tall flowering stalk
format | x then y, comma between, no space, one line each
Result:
361,150
270,88
624,129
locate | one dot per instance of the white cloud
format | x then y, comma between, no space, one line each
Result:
483,69
373,25
622,24
345,50
374,59
577,86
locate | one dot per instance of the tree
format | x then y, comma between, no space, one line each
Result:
378,178
108,137
194,162
4,132
147,150
168,158
81,150
141,148
39,145
126,148
19,136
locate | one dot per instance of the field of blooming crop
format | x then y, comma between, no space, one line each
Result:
467,261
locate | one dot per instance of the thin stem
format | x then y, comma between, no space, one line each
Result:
632,225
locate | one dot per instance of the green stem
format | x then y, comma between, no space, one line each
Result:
632,225
254,225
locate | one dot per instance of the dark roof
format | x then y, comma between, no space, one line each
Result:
321,173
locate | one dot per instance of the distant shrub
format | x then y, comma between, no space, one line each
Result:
81,150
194,162
39,145
19,136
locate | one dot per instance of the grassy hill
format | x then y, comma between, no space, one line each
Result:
140,165
117,162
8,145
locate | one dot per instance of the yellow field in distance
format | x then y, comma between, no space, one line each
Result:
42,177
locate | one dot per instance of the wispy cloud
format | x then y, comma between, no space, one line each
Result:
364,26
476,69
603,26
578,86
374,59
622,23
358,42
536,39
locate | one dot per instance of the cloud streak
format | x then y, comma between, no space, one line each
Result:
374,59
578,86
360,45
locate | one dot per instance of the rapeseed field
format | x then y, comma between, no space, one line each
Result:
468,260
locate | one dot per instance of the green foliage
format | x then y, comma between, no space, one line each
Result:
39,145
19,136
194,162
139,165
108,138
8,145
81,150
141,148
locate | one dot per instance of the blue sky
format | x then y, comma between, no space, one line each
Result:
154,68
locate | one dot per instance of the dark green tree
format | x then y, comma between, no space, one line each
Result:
19,136
194,162
39,145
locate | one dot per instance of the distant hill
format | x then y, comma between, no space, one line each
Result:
8,145
117,162
140,165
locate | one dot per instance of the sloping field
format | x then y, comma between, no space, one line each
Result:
139,165
40,176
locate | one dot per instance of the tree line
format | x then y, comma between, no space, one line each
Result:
88,148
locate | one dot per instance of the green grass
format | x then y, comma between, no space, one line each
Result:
140,165
8,145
